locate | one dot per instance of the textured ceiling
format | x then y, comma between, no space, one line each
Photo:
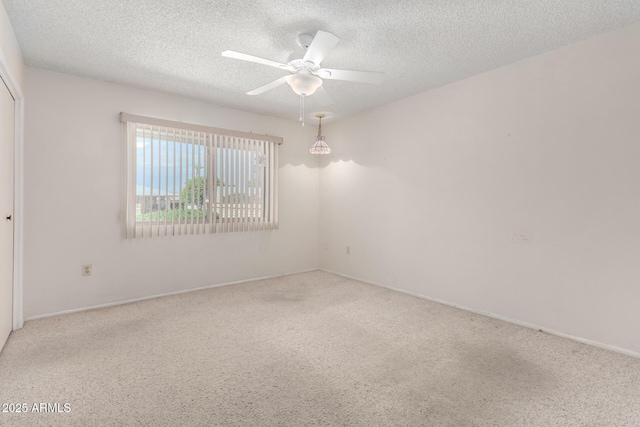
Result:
174,45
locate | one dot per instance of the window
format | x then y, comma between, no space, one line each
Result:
191,179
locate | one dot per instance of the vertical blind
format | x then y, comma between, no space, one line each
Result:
191,179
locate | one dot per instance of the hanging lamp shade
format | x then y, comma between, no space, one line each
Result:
320,146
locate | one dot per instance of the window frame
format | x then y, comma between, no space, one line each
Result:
230,144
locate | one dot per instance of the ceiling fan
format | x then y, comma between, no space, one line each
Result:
306,74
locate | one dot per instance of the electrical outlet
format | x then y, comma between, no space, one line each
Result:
86,270
348,250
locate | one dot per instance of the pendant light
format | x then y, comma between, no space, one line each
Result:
320,147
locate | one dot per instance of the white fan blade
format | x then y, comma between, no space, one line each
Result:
257,60
351,76
268,86
322,97
322,43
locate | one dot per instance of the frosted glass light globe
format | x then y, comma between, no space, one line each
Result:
304,84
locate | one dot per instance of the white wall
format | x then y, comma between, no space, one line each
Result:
74,194
10,56
428,192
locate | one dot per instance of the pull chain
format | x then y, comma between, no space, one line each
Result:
301,119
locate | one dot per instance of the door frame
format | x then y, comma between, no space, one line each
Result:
18,205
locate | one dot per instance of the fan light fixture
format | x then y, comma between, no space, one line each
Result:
320,147
306,74
304,84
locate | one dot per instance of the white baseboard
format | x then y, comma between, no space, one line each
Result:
497,316
166,294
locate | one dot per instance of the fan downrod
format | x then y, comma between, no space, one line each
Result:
304,40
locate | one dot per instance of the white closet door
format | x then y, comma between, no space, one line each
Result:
6,211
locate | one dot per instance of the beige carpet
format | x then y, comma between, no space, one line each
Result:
308,349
